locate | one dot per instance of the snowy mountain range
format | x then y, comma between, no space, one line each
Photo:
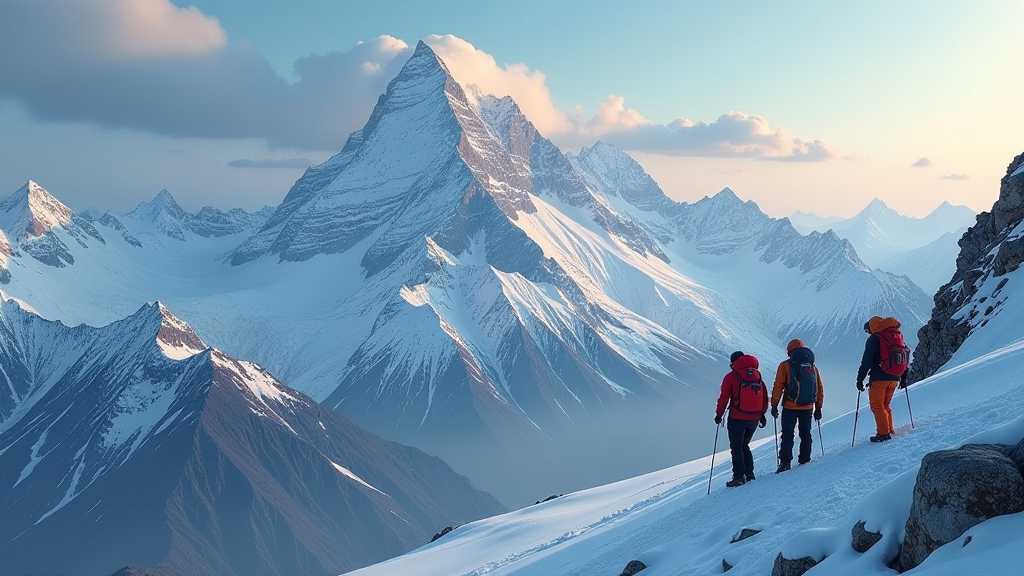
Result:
135,443
683,520
924,249
453,281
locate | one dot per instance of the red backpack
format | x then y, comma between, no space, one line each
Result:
749,399
893,351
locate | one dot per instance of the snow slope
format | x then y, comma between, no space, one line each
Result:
931,265
667,520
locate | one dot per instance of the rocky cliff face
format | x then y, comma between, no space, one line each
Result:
990,249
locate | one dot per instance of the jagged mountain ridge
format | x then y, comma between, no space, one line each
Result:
136,444
165,215
975,296
887,240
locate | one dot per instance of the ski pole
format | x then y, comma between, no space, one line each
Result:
856,415
820,441
906,389
713,450
775,423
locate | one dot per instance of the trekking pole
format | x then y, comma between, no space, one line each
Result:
907,390
713,450
856,415
820,441
775,423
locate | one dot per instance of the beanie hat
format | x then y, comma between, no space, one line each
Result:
735,356
793,344
867,326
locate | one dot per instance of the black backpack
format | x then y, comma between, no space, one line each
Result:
803,378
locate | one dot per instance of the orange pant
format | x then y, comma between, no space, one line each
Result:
879,395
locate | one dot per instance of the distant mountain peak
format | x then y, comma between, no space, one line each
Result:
32,211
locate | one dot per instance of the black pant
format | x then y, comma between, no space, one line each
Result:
789,422
740,433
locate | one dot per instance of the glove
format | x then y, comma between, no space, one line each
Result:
718,418
763,422
860,385
775,410
903,384
817,413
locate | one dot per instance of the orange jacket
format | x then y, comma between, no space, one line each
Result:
782,376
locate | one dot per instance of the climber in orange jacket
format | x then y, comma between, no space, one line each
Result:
884,363
799,380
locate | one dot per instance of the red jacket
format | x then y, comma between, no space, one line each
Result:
731,389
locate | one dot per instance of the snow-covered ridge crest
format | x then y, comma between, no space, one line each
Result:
176,338
163,215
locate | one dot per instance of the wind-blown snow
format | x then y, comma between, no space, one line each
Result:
349,474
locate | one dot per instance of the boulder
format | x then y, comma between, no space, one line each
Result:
744,534
955,490
726,566
1016,453
795,567
633,567
862,539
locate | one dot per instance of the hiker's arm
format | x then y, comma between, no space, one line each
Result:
821,389
723,398
870,349
781,379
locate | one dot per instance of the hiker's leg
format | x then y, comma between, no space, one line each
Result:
748,458
876,399
804,419
788,424
890,390
737,431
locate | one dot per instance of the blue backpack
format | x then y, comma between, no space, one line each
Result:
803,378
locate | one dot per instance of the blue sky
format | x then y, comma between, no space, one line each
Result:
814,106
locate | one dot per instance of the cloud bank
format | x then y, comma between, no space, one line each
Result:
148,65
271,163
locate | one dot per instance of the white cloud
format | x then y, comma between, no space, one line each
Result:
955,177
471,66
149,65
735,134
922,163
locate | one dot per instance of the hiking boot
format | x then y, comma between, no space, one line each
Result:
802,462
751,477
737,481
881,437
782,468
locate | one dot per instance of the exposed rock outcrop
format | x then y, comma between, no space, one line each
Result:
795,567
633,567
863,540
992,247
744,534
956,490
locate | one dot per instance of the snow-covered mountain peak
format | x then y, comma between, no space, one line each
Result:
176,338
31,212
615,173
162,206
